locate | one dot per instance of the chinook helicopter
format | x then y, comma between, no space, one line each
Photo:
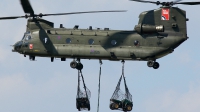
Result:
157,34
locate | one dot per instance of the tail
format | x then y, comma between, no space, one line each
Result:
166,19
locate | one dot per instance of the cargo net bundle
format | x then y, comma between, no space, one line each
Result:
83,96
120,100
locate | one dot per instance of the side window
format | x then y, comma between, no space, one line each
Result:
136,43
113,42
68,40
91,41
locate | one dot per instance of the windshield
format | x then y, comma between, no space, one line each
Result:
27,36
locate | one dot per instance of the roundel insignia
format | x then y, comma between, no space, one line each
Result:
59,37
30,46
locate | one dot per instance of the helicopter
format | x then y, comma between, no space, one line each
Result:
157,34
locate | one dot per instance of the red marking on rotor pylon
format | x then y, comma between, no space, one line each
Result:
165,14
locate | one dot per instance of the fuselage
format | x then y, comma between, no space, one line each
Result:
144,43
98,44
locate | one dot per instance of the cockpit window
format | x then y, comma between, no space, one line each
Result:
23,37
26,36
28,32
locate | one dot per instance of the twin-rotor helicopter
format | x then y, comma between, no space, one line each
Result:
156,35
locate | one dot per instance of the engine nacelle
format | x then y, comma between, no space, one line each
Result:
145,28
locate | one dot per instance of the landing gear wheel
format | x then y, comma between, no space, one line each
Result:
156,65
52,59
150,63
115,105
111,106
32,58
128,108
79,66
73,64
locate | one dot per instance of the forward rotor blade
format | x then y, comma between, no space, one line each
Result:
188,3
27,7
41,15
80,13
175,1
14,17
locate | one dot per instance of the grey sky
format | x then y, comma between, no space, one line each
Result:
42,86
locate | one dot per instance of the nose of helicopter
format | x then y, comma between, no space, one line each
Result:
17,46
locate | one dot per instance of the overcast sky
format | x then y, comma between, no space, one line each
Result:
42,86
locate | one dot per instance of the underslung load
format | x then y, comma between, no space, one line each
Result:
83,96
120,100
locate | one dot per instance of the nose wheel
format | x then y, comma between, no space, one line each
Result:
76,64
153,64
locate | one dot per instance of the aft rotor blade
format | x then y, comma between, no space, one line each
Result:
146,1
27,7
188,3
14,17
80,13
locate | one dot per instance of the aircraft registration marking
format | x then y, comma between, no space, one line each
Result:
94,52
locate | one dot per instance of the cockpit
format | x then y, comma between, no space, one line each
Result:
24,42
